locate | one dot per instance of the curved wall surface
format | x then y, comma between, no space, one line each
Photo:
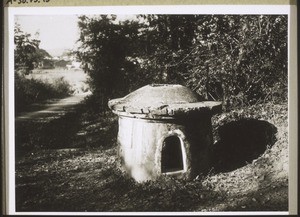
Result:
144,144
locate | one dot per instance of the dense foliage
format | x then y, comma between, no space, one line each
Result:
241,60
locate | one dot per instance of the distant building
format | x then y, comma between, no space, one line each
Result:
46,63
74,65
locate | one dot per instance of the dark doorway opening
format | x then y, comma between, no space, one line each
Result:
171,156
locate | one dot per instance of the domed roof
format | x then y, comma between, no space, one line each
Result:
161,100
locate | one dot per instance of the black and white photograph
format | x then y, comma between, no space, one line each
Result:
182,110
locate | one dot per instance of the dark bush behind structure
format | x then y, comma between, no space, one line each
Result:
239,59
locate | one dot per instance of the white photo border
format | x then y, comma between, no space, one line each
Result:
11,12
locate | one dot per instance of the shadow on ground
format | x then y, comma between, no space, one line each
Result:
46,133
240,142
73,128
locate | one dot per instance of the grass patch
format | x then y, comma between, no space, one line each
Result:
84,173
29,91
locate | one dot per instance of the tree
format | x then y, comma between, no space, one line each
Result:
239,59
245,55
105,50
27,53
166,39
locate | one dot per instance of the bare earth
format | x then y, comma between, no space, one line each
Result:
66,160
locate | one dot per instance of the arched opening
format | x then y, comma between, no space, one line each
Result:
171,155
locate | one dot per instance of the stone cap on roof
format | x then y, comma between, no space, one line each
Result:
162,101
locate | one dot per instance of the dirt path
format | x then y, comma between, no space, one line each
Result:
52,109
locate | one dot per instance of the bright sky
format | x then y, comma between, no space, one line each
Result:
56,32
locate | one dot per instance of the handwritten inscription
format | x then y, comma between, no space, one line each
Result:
26,1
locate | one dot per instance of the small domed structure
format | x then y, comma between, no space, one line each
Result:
164,129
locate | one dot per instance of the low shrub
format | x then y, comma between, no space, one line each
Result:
29,91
